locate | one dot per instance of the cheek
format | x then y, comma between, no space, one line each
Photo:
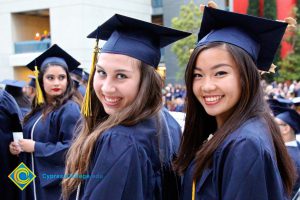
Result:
96,85
196,88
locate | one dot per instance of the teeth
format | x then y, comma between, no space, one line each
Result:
212,99
111,100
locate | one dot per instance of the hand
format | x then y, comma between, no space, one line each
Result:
14,148
27,145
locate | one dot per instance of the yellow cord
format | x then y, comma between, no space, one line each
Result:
86,108
39,93
193,190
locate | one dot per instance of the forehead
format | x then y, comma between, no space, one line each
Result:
210,57
110,60
55,69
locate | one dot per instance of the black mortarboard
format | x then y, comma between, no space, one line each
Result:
54,55
14,87
259,37
78,72
75,83
292,118
32,81
138,39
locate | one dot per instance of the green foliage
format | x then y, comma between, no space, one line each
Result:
253,7
270,9
290,65
189,20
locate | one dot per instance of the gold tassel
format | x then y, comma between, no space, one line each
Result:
291,23
39,93
210,4
272,68
86,109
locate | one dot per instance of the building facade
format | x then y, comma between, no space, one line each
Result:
67,22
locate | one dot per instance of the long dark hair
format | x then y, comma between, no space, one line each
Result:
251,104
147,104
58,101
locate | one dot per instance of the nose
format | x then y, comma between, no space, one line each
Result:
108,86
56,81
208,85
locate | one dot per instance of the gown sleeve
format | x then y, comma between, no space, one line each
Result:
124,171
50,156
249,172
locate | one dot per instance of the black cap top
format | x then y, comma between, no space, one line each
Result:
259,37
54,55
138,39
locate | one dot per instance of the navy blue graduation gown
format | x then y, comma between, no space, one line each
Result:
243,168
294,152
10,115
126,163
53,136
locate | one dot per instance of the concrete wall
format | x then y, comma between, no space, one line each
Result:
70,21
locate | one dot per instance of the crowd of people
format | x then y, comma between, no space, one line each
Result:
109,134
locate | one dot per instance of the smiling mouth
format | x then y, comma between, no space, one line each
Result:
111,101
210,100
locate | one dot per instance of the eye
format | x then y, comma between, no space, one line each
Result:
221,73
101,72
61,77
197,75
121,76
49,77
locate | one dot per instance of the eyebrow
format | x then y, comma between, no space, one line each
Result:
215,66
118,70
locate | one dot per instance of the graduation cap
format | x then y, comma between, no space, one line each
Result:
132,37
78,72
75,83
14,87
138,39
32,81
259,37
55,56
290,117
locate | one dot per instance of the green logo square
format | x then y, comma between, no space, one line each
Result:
22,176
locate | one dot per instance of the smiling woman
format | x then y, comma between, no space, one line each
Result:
246,158
129,138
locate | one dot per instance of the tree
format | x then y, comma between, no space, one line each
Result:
253,8
189,20
270,9
290,65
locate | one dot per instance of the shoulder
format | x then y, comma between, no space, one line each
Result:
141,136
68,107
69,111
253,135
8,104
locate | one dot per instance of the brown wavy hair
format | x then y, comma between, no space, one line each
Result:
147,104
198,124
58,101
